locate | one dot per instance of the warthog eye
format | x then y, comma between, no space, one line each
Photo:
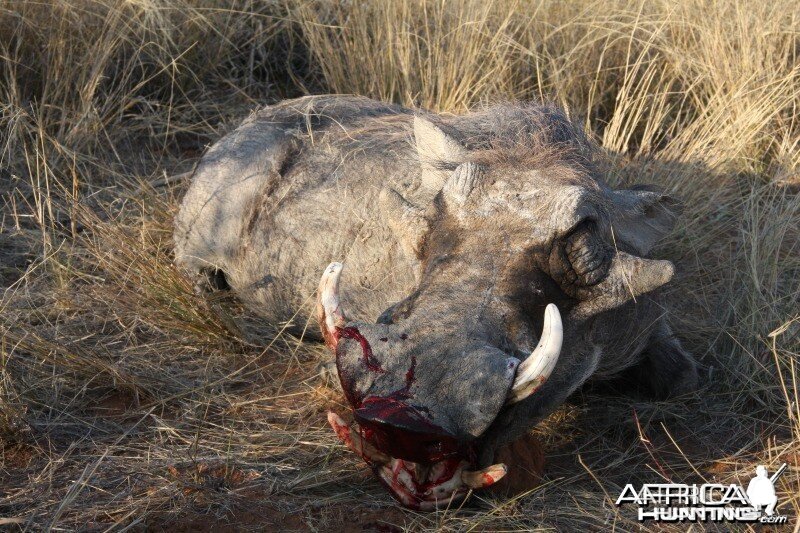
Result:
584,256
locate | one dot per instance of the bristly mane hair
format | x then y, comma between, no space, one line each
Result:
524,134
530,135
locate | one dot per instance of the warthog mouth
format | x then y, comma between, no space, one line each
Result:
426,483
423,465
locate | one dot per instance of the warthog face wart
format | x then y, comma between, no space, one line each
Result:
487,271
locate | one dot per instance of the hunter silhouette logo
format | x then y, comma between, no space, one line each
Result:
761,489
709,502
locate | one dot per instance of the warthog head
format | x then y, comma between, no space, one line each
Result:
515,239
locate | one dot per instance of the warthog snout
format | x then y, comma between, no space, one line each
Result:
405,427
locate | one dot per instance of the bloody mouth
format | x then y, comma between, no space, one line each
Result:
421,486
421,464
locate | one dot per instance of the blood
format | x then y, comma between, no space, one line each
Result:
367,357
343,432
390,423
398,488
404,431
401,430
351,332
401,476
418,493
449,470
404,392
410,374
369,361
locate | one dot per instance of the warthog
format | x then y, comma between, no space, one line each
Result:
462,237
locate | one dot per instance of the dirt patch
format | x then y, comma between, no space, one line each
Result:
253,512
115,404
18,456
16,253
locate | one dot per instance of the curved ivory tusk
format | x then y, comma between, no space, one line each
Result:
329,311
534,371
478,479
353,440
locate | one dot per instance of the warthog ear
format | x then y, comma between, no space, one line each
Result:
643,216
436,149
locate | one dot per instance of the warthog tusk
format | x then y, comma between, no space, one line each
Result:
478,479
353,440
534,371
329,311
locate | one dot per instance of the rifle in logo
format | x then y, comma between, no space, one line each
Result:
774,477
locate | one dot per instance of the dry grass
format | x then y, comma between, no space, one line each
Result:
126,400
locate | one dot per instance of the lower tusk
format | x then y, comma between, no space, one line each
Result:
479,479
353,440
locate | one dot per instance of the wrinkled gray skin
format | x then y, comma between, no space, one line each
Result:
455,233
